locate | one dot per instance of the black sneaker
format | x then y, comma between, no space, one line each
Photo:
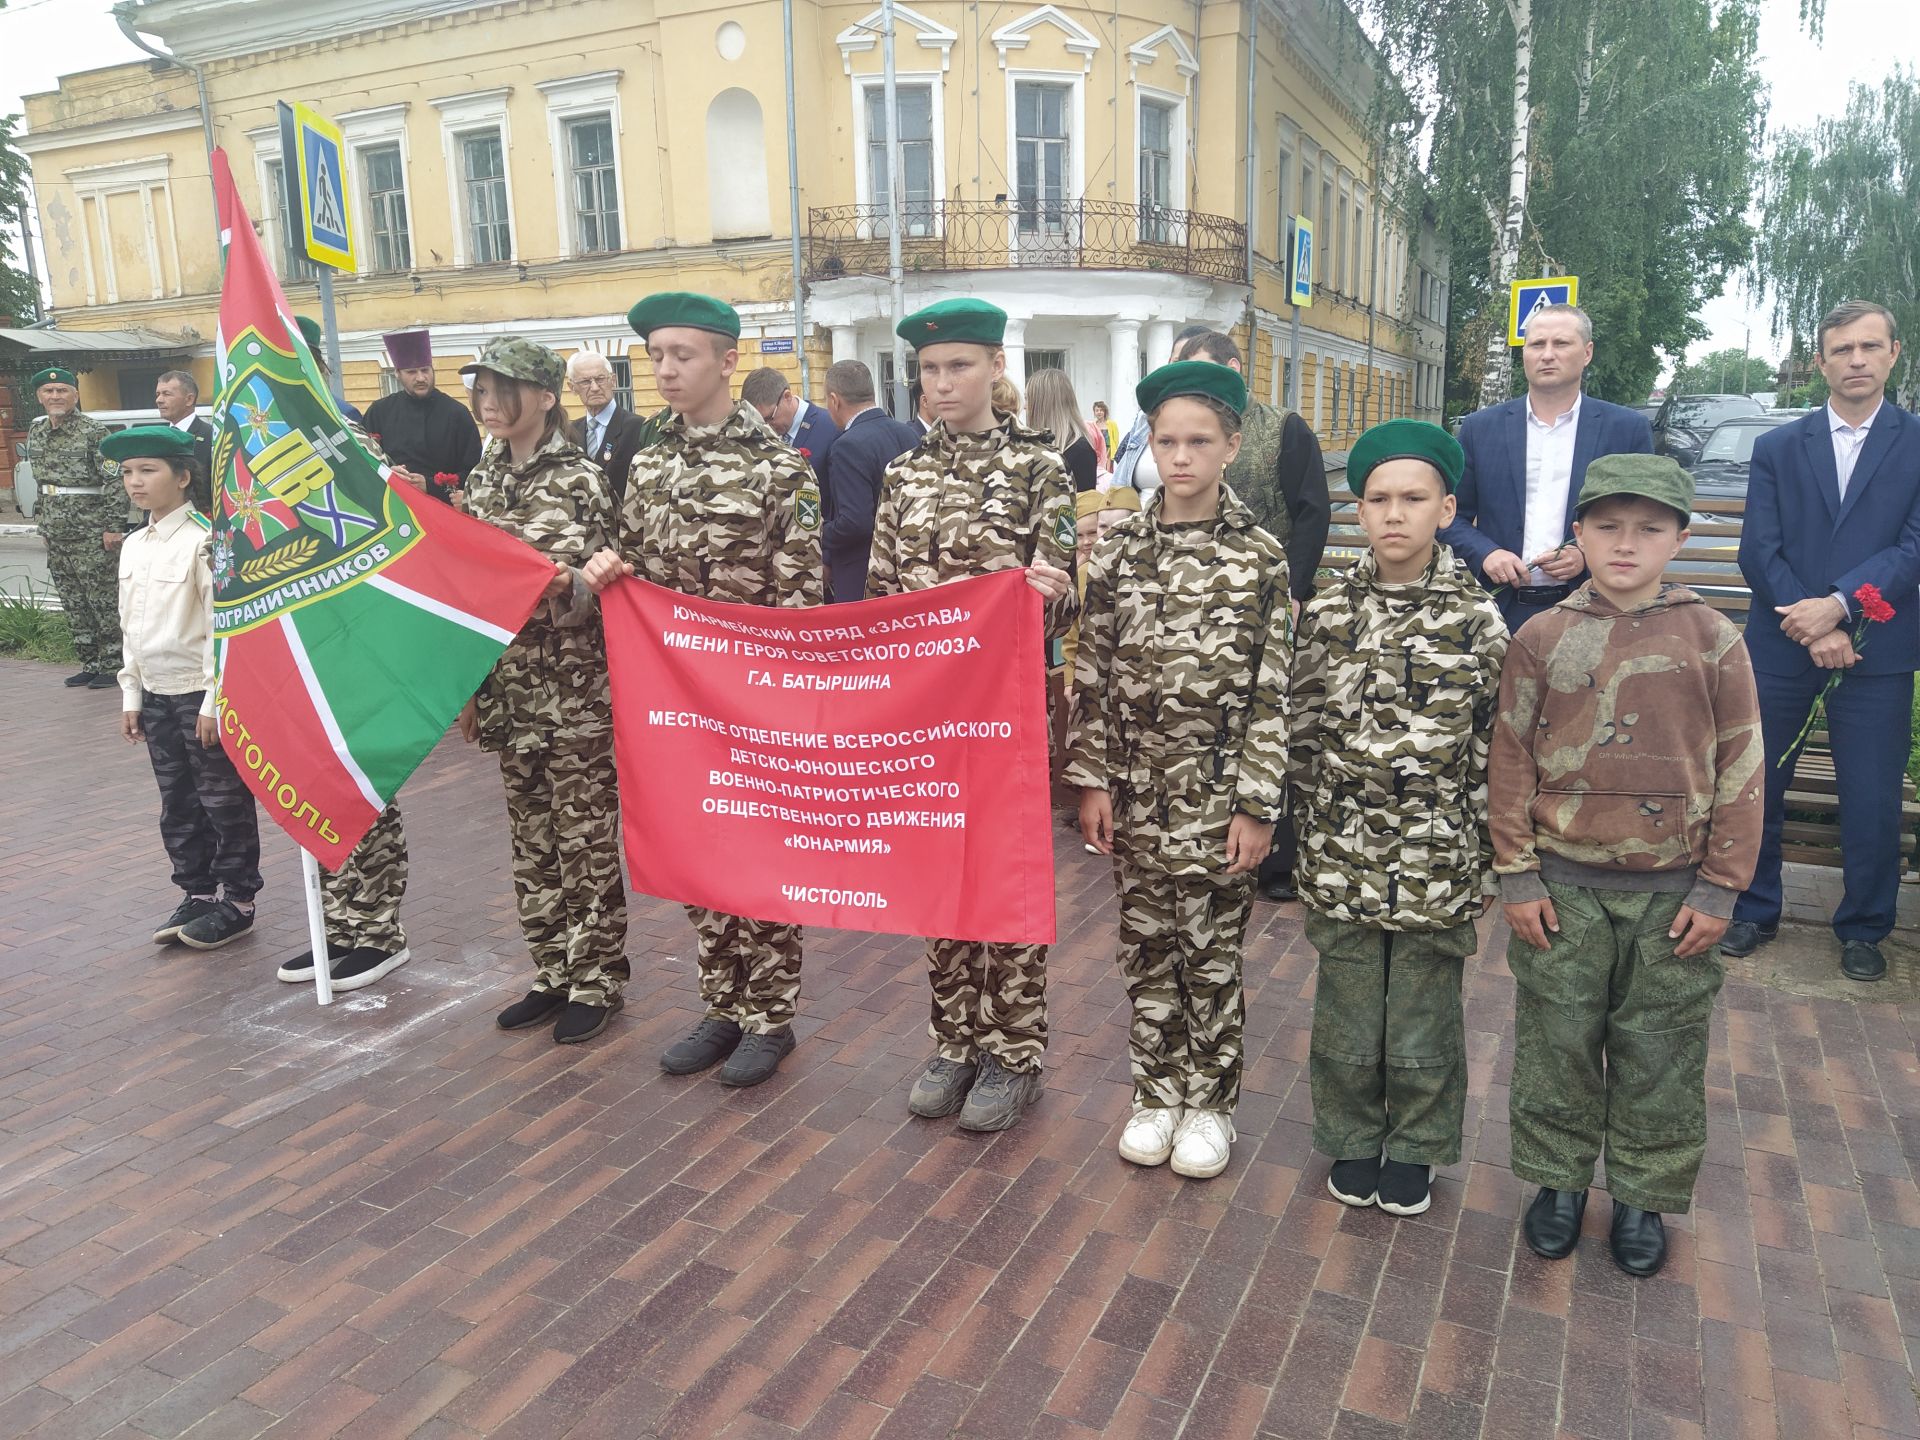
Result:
1405,1189
1279,890
757,1056
184,915
581,1021
1743,937
999,1096
297,969
1356,1182
223,923
711,1042
80,681
530,1009
362,966
103,682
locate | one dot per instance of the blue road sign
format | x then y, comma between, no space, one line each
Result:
1526,296
1300,270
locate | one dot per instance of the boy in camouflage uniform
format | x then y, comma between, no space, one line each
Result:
81,503
719,506
1393,691
545,707
1179,741
1627,808
981,493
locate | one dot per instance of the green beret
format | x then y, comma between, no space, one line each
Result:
148,442
682,309
1405,440
54,375
519,359
974,322
310,328
1200,378
1654,477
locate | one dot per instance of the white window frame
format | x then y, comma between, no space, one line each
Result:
273,204
1075,81
468,114
580,97
146,177
1143,95
863,188
365,130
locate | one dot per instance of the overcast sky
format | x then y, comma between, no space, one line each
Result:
1864,40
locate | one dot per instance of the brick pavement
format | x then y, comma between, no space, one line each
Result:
225,1212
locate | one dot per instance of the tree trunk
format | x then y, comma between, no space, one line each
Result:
1497,380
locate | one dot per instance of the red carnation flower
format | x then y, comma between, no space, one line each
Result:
1872,603
805,454
1874,609
447,478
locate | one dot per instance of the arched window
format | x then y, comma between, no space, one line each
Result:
737,167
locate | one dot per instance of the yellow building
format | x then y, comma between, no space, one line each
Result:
532,167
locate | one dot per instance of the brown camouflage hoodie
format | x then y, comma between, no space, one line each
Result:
1627,753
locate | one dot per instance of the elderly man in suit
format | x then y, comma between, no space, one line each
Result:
175,395
802,424
870,440
609,432
1525,462
1833,504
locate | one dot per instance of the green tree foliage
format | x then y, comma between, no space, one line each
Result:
1725,372
17,296
1645,119
1842,217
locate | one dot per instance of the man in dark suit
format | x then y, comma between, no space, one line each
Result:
805,426
175,394
1833,503
1525,462
870,440
609,432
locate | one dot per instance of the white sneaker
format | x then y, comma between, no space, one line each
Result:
1148,1138
1203,1144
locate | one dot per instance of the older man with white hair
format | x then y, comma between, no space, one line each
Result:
610,433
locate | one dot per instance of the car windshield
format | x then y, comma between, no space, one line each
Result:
1703,412
1734,442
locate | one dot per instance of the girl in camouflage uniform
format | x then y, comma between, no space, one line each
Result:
545,708
1179,740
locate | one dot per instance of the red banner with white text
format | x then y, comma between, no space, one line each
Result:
876,766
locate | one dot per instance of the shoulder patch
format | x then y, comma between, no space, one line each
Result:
806,507
1066,532
109,468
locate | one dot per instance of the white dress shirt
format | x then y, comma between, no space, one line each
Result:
1848,442
1549,473
597,423
166,610
792,437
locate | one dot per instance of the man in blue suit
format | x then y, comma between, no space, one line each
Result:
870,440
802,424
1833,503
1525,462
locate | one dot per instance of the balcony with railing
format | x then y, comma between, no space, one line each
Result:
849,240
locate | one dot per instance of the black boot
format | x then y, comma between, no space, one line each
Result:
1638,1240
530,1009
1552,1226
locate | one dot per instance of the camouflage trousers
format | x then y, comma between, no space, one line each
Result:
989,999
564,816
1388,1060
86,576
207,818
361,900
749,969
1610,1049
1180,939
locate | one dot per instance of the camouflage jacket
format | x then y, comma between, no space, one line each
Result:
727,511
1393,697
1255,472
1627,754
963,505
549,687
71,455
1180,683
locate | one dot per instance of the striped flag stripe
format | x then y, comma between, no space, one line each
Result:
324,713
443,610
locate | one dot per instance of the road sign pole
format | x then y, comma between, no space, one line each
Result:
330,334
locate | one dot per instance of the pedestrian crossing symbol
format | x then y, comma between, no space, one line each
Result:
314,154
1525,297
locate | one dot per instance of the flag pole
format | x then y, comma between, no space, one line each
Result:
317,928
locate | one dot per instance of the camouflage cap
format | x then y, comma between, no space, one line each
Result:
972,322
1654,477
1405,440
1200,378
53,375
519,359
682,309
140,442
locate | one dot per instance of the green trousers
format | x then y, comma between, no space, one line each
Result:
1610,1049
1388,1060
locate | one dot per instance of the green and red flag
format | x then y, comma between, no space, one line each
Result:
353,615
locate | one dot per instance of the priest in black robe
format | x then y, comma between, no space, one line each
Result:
421,427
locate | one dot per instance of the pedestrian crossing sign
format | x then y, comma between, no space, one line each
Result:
1300,266
315,157
1527,296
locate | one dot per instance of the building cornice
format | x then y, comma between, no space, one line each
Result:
200,30
107,132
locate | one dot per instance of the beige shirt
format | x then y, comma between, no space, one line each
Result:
166,610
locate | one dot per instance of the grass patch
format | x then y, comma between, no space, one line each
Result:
28,631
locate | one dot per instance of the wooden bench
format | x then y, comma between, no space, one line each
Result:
1710,565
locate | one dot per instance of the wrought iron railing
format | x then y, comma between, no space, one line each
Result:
1068,234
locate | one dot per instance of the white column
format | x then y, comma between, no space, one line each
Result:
846,342
1123,367
1159,343
1015,344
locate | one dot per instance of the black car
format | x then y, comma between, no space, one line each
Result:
1685,421
1720,472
